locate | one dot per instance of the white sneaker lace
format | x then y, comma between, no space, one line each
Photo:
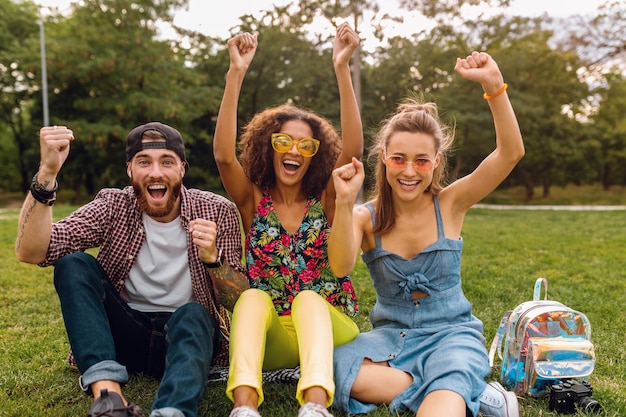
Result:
496,401
313,410
244,411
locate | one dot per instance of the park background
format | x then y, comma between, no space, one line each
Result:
108,69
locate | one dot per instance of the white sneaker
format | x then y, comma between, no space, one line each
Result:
313,410
495,401
244,411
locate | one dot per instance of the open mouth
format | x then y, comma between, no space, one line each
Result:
157,191
291,165
408,185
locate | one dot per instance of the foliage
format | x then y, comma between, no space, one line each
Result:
444,9
601,39
18,84
117,76
580,252
109,70
545,85
610,131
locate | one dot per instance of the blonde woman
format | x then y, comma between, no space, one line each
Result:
426,352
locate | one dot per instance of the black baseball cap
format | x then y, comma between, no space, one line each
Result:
173,140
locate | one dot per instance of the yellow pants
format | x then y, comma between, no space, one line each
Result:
260,340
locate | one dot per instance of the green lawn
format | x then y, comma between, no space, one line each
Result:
581,253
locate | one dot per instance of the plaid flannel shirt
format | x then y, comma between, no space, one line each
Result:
112,222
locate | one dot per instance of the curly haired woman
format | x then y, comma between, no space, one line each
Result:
296,309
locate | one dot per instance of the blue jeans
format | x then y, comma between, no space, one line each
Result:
108,338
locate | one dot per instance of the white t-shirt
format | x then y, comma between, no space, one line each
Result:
160,279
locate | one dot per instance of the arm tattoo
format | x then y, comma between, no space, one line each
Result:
228,284
29,205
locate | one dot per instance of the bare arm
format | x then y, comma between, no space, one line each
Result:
35,222
481,68
346,234
241,49
346,42
228,282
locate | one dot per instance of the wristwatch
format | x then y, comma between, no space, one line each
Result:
218,263
39,193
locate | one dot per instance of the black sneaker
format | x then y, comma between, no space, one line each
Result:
112,405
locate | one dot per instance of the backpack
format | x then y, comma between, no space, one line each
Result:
541,343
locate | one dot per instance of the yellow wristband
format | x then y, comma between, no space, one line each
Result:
497,93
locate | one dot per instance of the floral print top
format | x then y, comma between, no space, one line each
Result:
283,264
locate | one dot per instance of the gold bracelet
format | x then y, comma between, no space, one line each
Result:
497,93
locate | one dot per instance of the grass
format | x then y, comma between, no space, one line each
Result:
567,195
581,254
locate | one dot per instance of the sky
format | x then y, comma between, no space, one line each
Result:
206,17
211,20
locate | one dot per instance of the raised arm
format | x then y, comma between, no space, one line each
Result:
346,234
35,221
241,49
346,42
481,68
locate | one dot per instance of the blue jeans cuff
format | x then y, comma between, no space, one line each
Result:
101,371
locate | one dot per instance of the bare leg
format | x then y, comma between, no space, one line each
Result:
317,395
245,395
111,386
378,383
442,403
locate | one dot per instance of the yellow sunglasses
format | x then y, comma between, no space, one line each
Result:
282,143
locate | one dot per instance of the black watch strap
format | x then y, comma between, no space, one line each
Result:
39,193
218,263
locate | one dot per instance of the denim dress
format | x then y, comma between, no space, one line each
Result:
435,339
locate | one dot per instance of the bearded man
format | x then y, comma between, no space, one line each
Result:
155,298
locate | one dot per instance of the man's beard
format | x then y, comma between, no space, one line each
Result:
142,200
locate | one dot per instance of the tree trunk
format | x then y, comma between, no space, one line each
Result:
546,187
606,177
528,185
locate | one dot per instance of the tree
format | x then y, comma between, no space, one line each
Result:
609,130
443,11
109,70
600,38
19,50
288,67
543,85
108,73
545,90
550,93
